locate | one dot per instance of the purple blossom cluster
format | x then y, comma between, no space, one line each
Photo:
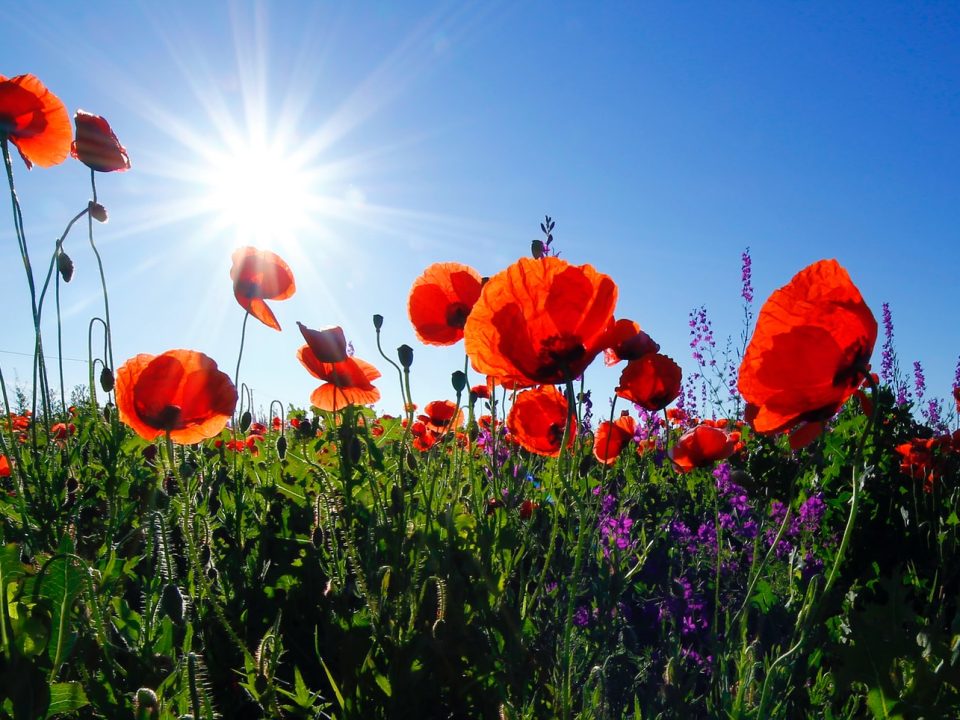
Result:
615,528
746,276
888,357
807,522
701,336
919,381
586,418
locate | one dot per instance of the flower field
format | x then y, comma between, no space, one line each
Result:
769,531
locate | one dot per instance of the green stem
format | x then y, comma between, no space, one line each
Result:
103,279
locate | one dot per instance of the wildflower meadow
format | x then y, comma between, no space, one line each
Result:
766,529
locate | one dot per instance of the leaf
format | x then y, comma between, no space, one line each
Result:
881,706
62,582
384,684
66,697
333,684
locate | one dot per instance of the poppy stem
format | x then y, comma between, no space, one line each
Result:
39,366
403,397
243,337
103,279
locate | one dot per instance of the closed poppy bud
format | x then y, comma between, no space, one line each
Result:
377,322
97,211
106,379
405,353
459,381
145,704
536,248
65,266
245,420
172,603
106,413
281,447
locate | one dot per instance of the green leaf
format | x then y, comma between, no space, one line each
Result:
66,697
333,684
881,706
62,582
384,684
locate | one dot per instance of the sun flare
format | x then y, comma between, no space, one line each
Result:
259,191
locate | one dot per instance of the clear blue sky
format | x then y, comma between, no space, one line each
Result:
662,137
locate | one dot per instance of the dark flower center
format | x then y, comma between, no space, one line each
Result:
457,314
167,419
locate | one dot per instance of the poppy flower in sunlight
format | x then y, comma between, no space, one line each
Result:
97,146
35,120
348,382
626,341
328,345
540,321
479,392
4,466
441,415
440,302
537,419
652,381
613,437
700,447
260,275
809,352
181,392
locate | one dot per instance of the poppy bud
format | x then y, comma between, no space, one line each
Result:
145,704
106,413
405,353
245,420
106,379
377,322
65,266
459,380
172,603
536,249
281,447
97,211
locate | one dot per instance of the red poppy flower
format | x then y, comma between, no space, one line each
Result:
651,381
181,392
526,509
35,121
4,466
613,437
348,382
441,415
701,446
260,275
626,341
809,352
540,321
537,419
440,302
96,145
480,392
328,345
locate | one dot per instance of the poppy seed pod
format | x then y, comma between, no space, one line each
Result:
65,266
97,211
377,322
405,354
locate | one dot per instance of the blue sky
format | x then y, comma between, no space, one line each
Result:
663,138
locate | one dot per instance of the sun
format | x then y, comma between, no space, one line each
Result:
259,191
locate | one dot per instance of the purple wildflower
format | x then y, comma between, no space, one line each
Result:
811,513
919,381
746,275
581,616
888,358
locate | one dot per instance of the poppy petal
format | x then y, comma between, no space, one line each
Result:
35,120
